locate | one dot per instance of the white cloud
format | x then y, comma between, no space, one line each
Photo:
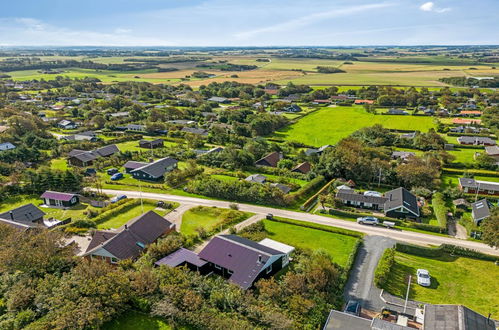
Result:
430,6
309,19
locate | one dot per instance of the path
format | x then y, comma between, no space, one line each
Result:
399,235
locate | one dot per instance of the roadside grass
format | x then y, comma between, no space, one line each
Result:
132,320
209,218
455,280
116,221
329,125
337,246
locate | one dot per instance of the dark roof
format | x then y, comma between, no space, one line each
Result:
483,185
151,142
66,197
480,209
83,156
240,255
455,317
193,130
24,214
133,165
270,160
133,237
285,189
351,195
476,140
158,168
99,237
401,197
181,256
304,168
107,150
341,321
256,178
75,152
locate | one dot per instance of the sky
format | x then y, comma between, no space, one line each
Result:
248,23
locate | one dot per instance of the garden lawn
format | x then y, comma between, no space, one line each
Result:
464,155
209,218
454,280
337,245
59,164
131,320
329,125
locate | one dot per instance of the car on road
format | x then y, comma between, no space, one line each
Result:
269,216
117,176
118,198
112,171
424,278
352,307
368,221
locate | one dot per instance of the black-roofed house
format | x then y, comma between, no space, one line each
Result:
151,144
59,199
472,186
132,165
184,257
107,151
480,210
401,203
130,240
156,170
82,158
476,140
455,317
369,201
27,215
193,130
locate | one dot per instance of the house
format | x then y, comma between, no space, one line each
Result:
135,128
107,151
401,203
285,189
470,113
270,160
132,165
6,146
82,158
197,131
256,178
293,108
27,215
403,155
361,102
462,121
219,99
241,260
367,200
66,124
472,186
129,241
409,136
493,151
480,210
151,144
476,140
184,257
341,321
461,203
303,168
394,111
454,317
59,199
156,170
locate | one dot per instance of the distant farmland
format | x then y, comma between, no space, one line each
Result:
329,125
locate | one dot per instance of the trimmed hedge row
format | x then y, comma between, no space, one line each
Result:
441,250
117,210
351,259
313,199
318,226
471,171
305,190
384,267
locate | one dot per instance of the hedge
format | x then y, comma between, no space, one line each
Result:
351,259
471,171
439,209
441,250
317,226
115,211
313,199
306,189
384,267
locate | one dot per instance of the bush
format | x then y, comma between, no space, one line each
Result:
384,268
444,248
234,206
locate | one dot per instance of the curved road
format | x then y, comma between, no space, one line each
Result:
400,235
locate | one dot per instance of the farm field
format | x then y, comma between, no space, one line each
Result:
209,218
455,280
337,245
329,125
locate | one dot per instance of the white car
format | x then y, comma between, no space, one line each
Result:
424,278
368,221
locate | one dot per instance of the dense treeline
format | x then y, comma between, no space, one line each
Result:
471,82
22,64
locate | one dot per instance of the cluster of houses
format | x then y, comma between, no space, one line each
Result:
481,209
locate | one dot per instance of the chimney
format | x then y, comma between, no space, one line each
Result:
126,226
11,215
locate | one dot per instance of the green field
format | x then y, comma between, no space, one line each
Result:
131,320
329,125
455,280
337,245
209,218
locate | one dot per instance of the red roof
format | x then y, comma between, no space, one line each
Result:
471,112
466,121
364,102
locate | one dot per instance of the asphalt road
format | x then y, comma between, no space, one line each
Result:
399,235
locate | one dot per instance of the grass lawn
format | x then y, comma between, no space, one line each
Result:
134,145
209,218
131,320
464,155
134,211
455,280
329,125
59,164
337,245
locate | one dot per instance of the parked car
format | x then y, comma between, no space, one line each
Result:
368,221
269,216
424,278
90,172
117,176
118,198
352,307
112,171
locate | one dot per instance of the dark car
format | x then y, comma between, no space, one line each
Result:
117,176
352,307
90,172
112,171
118,198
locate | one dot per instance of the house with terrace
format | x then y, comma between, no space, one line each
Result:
151,144
59,199
82,158
472,186
361,200
26,216
154,171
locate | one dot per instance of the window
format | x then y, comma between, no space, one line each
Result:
259,259
217,266
114,260
269,269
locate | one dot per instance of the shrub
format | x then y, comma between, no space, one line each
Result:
234,206
439,251
384,268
